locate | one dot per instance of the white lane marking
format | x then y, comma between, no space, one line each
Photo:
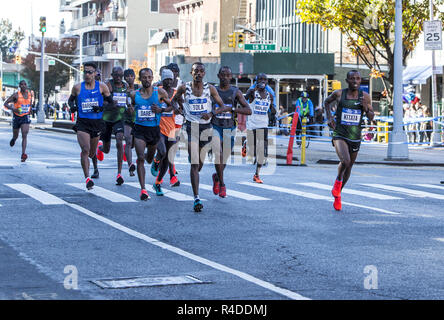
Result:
432,186
439,239
231,193
39,195
167,193
350,191
312,196
410,192
212,264
103,193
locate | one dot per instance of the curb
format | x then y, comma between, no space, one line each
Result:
407,163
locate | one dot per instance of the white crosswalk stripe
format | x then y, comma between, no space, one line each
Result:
406,191
432,186
103,193
232,193
167,193
349,191
39,195
312,196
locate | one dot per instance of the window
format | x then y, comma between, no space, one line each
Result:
152,32
214,35
207,32
154,6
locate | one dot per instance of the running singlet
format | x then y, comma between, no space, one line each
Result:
119,97
167,121
225,119
194,107
144,115
23,105
348,118
259,107
87,99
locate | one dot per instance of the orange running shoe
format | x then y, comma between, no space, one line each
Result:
119,180
24,157
99,153
336,191
337,204
244,149
216,188
89,183
223,191
257,179
174,182
144,195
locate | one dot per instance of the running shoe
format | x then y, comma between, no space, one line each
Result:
144,196
174,169
24,157
99,153
216,189
198,206
158,189
257,179
337,204
336,191
124,154
119,180
12,142
174,182
155,167
244,149
442,182
223,191
131,169
95,174
89,183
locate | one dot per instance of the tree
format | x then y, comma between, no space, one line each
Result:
137,65
369,26
9,38
59,74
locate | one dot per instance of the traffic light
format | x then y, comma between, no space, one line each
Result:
240,40
81,68
18,59
43,24
333,85
232,40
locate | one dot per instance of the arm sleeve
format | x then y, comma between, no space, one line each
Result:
310,105
271,91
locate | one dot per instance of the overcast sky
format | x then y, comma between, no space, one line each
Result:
25,14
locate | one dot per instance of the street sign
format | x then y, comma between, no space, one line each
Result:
260,46
437,70
285,49
51,62
37,64
432,35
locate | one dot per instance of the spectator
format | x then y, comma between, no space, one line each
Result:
319,119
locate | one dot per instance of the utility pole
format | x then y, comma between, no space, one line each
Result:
41,113
397,147
435,138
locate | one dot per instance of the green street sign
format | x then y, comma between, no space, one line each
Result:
260,47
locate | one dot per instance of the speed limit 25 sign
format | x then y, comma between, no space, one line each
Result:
432,35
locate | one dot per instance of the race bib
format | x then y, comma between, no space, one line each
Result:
119,99
198,106
25,108
88,104
224,115
350,117
261,107
144,113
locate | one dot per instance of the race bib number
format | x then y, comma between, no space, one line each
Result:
25,108
198,106
350,117
88,104
119,99
144,113
224,115
261,107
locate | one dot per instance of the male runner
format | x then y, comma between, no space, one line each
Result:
352,104
261,101
87,99
167,140
23,100
198,110
178,117
224,125
113,118
130,76
146,104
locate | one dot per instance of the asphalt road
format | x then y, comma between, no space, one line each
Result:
279,240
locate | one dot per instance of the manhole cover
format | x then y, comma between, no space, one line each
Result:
123,283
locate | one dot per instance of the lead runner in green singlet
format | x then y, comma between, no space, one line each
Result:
352,104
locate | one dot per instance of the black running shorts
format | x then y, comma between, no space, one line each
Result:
151,135
111,128
17,122
93,127
203,133
352,146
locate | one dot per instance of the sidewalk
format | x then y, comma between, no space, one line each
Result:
320,150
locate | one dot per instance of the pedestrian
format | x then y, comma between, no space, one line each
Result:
352,104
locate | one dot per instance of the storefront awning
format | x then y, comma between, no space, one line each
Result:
416,74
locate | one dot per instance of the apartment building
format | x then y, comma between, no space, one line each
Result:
116,32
